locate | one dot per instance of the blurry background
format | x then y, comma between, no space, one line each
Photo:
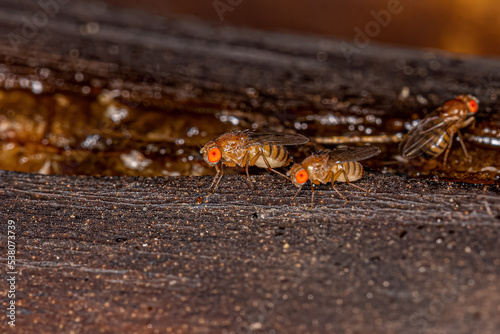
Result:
453,25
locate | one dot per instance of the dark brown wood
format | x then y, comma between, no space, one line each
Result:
235,68
138,255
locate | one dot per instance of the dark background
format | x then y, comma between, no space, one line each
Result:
452,25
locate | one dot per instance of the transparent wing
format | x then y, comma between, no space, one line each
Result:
427,133
276,138
347,154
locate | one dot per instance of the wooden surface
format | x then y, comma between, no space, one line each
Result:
207,66
137,255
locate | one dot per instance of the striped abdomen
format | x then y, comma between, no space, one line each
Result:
276,156
438,146
353,169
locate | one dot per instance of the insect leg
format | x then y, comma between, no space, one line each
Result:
463,145
312,195
221,175
269,166
452,134
254,160
298,191
333,178
216,181
216,176
246,158
468,122
351,184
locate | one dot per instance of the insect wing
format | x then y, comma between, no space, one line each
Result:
348,154
427,133
276,138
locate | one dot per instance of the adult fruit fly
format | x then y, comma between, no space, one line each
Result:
329,166
434,134
246,148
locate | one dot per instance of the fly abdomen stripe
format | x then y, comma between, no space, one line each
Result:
272,151
266,151
360,169
281,153
353,169
442,143
286,157
439,146
275,153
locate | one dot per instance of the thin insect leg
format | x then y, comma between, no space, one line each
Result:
463,145
216,181
351,184
298,191
216,176
220,178
333,179
246,169
255,158
275,171
267,163
356,186
468,122
453,130
312,195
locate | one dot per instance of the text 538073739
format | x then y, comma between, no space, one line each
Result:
11,267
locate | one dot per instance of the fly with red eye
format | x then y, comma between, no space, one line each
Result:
473,106
214,155
434,133
329,166
246,148
301,176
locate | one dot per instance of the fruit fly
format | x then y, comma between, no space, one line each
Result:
434,134
246,148
329,166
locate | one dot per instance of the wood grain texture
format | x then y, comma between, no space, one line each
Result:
207,65
138,255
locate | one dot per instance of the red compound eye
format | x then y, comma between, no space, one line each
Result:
473,106
301,176
214,155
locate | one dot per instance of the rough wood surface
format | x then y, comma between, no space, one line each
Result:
138,255
235,68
